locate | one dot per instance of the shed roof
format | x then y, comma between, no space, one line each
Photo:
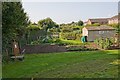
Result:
100,28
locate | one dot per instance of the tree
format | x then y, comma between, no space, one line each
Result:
80,23
14,22
47,24
33,26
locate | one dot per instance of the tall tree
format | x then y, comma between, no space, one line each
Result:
14,22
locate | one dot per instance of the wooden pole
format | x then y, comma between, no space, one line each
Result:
32,78
14,50
7,55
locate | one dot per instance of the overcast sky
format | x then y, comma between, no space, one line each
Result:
66,12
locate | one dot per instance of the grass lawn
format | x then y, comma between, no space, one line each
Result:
0,71
87,64
73,42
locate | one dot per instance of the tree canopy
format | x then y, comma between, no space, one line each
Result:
80,23
14,22
47,23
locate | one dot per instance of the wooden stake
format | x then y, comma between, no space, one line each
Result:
7,57
32,78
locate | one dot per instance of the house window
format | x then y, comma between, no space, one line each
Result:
101,32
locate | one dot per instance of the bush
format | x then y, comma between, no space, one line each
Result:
70,35
47,39
104,43
57,40
78,36
97,41
101,43
44,40
80,48
36,42
116,26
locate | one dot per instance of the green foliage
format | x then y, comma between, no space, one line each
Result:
36,42
54,30
66,29
69,36
80,23
47,23
97,41
80,48
70,32
14,23
116,26
34,33
47,39
71,42
74,35
57,40
104,43
33,27
95,24
78,36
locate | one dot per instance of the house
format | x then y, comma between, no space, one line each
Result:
95,32
101,21
113,20
85,23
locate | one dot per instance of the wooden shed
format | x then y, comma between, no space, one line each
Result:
95,32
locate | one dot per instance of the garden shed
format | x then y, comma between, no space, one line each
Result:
95,32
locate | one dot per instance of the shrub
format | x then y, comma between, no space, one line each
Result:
116,26
70,35
47,39
57,40
104,43
97,41
36,42
78,36
80,48
101,43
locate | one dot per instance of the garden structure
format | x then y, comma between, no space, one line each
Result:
17,54
96,32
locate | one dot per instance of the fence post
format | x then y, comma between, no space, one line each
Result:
7,55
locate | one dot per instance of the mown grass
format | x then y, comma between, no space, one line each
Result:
0,70
71,42
87,64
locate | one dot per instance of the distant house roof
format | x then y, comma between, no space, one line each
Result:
85,22
114,17
99,20
92,28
